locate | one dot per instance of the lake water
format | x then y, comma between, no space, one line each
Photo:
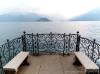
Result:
10,30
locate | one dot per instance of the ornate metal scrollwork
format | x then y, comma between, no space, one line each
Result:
90,48
10,49
50,43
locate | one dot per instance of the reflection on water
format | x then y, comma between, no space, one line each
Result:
10,30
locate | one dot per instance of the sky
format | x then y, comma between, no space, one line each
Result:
58,8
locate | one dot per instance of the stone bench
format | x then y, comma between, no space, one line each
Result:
12,66
88,64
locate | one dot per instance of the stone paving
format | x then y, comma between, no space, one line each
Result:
51,64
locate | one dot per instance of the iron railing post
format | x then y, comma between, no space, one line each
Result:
93,47
32,44
64,44
14,53
24,41
69,41
1,66
50,42
78,42
8,47
37,44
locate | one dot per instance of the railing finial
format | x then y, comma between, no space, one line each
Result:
24,32
94,40
77,32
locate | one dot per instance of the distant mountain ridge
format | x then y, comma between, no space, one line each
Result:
23,17
93,15
43,19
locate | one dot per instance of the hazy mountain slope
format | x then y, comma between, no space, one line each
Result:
21,17
93,15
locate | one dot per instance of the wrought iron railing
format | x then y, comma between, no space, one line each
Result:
49,43
9,50
90,48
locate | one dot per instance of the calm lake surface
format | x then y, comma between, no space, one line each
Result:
10,30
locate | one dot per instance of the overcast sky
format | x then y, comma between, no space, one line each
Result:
63,8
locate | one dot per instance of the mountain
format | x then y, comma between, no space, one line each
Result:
43,19
93,15
27,17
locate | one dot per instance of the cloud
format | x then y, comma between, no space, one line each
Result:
64,8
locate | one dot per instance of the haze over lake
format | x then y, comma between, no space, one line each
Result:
11,30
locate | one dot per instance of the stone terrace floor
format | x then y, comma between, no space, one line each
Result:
51,64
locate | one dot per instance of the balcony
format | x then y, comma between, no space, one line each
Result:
49,52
